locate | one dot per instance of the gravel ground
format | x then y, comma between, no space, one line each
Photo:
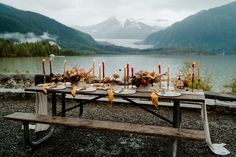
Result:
69,141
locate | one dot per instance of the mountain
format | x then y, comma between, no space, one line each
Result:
211,30
113,29
22,22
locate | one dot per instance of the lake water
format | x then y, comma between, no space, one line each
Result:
126,43
222,68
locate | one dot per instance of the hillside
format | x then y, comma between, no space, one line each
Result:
113,29
15,20
212,30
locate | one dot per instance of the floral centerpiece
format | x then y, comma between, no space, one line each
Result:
145,78
75,75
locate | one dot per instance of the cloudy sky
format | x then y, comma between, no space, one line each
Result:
88,12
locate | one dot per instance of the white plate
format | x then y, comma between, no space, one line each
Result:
170,94
170,88
91,89
58,87
125,91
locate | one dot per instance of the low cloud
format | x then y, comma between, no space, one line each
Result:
28,37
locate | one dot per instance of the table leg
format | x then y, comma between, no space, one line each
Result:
54,104
176,124
63,103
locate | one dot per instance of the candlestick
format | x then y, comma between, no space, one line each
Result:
99,73
127,70
43,66
103,70
65,61
50,65
168,77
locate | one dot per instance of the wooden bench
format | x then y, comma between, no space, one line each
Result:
174,133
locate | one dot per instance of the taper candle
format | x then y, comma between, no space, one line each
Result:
193,64
50,65
103,70
127,69
43,66
168,76
159,68
99,73
132,72
124,75
65,61
93,68
198,70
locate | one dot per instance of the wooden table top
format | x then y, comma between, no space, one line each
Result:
189,97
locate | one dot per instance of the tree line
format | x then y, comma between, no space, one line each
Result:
41,48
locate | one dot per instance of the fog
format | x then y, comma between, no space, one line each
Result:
28,37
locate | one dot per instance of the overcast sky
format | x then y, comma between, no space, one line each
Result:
88,12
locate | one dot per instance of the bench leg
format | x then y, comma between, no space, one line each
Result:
27,137
81,109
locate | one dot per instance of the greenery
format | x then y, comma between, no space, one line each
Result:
43,48
15,20
231,86
206,81
210,30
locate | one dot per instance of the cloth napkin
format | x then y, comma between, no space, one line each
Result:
154,98
73,91
110,96
218,149
41,107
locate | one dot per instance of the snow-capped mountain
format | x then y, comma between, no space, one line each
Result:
113,29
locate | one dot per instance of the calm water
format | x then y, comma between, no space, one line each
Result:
222,68
127,43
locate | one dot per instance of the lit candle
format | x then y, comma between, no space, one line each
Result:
168,76
127,69
159,68
198,71
124,75
65,61
43,66
132,72
103,70
99,73
50,65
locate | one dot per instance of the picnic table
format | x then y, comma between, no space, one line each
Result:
174,131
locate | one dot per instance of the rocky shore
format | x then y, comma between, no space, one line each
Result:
16,80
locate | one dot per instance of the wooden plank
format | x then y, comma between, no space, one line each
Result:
220,96
142,95
175,133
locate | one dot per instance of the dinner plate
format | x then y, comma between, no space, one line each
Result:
58,87
125,91
90,89
170,94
